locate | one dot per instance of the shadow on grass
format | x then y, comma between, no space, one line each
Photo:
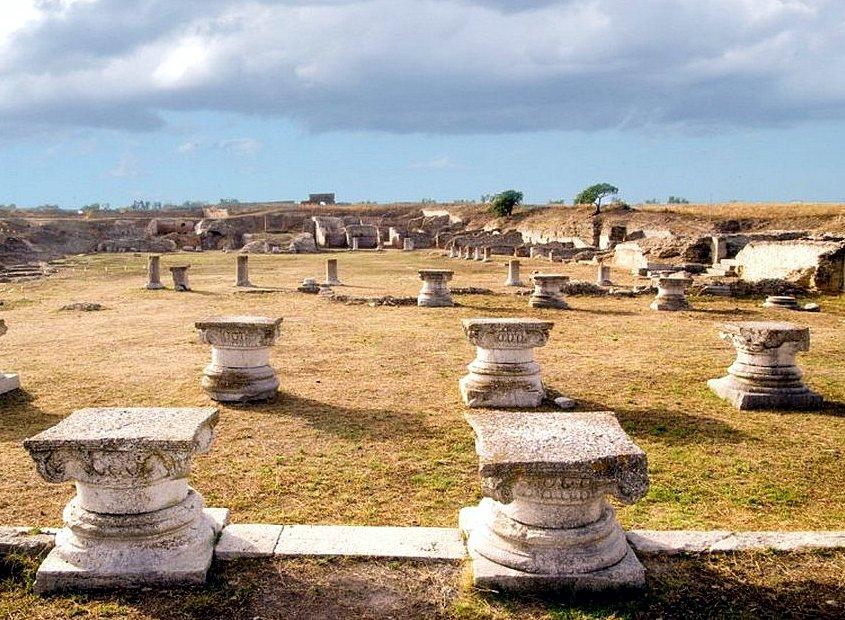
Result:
20,418
603,311
726,311
346,422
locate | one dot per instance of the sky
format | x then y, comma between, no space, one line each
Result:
383,100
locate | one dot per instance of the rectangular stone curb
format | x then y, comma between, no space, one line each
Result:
677,542
24,540
413,543
247,540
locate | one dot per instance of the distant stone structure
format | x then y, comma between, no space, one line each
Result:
331,273
764,375
544,524
815,263
786,302
309,285
363,235
548,291
407,244
154,273
322,199
504,373
435,288
134,522
671,294
330,232
240,368
603,277
513,274
179,274
8,381
242,271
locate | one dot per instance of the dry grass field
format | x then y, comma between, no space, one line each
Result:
368,429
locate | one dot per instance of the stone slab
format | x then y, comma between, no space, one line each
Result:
676,542
412,543
9,382
25,540
247,540
219,518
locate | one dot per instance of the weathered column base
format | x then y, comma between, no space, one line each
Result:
154,287
745,397
9,382
670,303
496,391
550,300
240,385
627,573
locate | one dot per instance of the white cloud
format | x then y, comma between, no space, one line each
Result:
437,66
239,146
442,162
128,166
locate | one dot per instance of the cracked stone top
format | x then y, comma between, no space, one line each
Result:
761,335
435,272
667,281
239,331
550,277
511,333
131,443
581,446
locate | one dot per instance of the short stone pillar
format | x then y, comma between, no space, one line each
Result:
603,277
242,270
407,244
331,272
486,253
671,293
240,368
476,253
309,285
513,274
552,256
355,243
180,278
534,252
134,520
764,374
467,253
548,291
8,381
435,288
719,249
154,273
545,523
504,373
451,251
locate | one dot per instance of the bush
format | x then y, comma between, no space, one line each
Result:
503,204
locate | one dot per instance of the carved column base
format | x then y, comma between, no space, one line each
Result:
744,395
238,385
514,388
670,303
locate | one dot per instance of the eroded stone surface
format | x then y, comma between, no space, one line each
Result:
154,273
247,540
547,291
764,374
671,294
504,372
134,520
435,288
180,278
240,368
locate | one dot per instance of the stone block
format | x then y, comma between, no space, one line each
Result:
247,540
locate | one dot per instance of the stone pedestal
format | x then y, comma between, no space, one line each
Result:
545,523
671,293
309,285
8,381
476,254
547,291
242,273
764,375
180,278
435,288
787,302
134,520
486,253
355,244
467,253
603,277
451,251
513,274
331,272
154,273
407,244
240,368
504,373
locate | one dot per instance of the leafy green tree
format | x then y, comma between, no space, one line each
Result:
503,204
594,194
677,200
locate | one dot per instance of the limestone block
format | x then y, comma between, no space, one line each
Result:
545,522
407,244
240,368
8,381
603,277
134,520
180,278
247,540
331,272
504,373
764,374
242,271
513,274
671,294
787,302
435,288
154,273
547,291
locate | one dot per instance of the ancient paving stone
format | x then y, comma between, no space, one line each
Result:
764,374
134,520
545,523
247,540
435,288
504,373
240,368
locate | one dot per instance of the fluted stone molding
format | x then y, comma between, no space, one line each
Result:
513,274
240,368
242,272
504,372
545,522
407,244
435,291
603,277
8,381
180,278
764,374
547,291
154,273
331,272
671,294
134,521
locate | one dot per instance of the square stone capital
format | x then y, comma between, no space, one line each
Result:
586,449
239,332
123,446
509,333
760,336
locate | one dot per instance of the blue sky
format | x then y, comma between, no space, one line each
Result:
110,100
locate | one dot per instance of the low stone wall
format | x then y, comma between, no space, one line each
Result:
819,264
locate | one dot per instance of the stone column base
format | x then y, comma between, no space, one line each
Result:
428,300
9,382
547,301
117,564
670,304
523,392
626,574
154,287
230,385
743,399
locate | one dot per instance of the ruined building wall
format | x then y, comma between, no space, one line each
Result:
821,262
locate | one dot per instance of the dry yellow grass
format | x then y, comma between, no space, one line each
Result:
368,426
761,210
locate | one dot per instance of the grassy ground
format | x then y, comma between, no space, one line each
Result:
368,427
761,585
